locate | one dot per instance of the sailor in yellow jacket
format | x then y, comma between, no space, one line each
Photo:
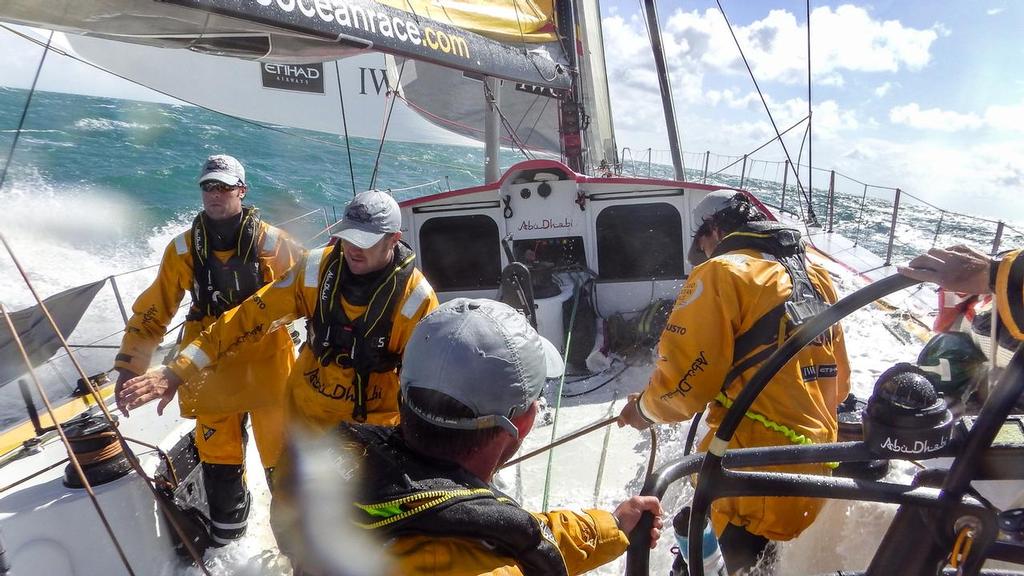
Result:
471,376
731,314
361,297
962,269
224,258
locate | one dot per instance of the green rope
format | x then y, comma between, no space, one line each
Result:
790,434
558,397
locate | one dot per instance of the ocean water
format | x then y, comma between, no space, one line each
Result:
97,187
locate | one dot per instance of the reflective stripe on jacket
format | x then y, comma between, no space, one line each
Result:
319,396
1009,291
255,377
721,300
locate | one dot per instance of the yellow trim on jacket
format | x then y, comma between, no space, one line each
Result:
721,300
252,379
318,396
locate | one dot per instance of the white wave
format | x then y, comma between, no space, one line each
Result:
108,124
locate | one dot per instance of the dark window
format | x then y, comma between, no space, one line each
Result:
460,252
640,242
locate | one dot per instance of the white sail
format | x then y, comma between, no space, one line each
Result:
302,96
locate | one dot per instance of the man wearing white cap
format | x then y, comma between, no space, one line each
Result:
471,377
227,255
361,297
753,288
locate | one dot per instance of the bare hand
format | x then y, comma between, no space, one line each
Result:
160,383
958,268
628,515
630,415
123,375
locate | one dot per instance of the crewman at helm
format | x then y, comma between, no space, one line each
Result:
732,313
225,257
963,269
361,297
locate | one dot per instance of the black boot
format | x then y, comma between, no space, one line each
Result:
229,501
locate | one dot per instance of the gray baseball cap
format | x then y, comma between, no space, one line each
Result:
370,216
483,354
223,168
708,206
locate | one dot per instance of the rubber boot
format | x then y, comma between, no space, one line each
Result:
229,501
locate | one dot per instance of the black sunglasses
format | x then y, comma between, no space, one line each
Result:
211,186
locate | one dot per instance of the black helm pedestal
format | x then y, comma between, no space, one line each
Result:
905,417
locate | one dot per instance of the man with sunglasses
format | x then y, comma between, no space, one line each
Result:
361,297
751,286
225,257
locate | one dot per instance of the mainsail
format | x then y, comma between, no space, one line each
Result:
301,31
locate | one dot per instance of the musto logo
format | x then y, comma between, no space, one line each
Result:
376,19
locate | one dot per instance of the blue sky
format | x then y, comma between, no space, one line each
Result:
925,96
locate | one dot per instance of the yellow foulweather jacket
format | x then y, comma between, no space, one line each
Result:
256,376
586,540
721,300
1009,290
318,396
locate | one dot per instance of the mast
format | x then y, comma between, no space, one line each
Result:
492,129
570,110
654,30
598,127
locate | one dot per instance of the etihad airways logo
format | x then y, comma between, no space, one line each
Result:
375,19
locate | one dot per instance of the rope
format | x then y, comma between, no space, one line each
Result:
132,459
24,112
799,186
387,123
604,449
63,436
558,401
344,126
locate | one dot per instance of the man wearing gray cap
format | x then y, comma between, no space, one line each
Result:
226,256
752,289
361,297
471,377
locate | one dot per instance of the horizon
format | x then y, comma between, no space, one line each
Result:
884,110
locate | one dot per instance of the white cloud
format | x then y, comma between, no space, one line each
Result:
994,11
1009,118
934,118
997,118
883,89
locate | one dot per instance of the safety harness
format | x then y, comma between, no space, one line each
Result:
220,286
764,337
404,494
360,343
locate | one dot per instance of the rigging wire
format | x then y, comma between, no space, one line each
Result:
759,148
344,125
506,123
24,111
800,188
101,404
810,138
387,123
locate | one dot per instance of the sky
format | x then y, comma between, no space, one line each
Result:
924,96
